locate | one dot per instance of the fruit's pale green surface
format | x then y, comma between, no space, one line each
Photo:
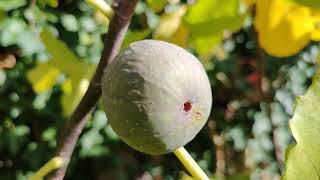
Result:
157,96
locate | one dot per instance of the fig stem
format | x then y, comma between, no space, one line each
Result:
102,6
51,165
190,164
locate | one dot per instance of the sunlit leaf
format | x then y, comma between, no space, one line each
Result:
303,159
180,36
63,57
43,77
283,27
63,61
204,44
67,87
208,19
78,87
315,34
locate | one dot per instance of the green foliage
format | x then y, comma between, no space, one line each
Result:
26,39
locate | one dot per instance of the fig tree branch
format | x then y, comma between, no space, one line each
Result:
123,11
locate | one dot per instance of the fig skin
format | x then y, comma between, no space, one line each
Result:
156,95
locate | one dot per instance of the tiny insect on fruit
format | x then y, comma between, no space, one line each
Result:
157,96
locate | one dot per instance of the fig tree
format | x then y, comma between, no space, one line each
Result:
157,96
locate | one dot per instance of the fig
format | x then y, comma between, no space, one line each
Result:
156,96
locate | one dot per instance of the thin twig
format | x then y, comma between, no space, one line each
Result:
123,11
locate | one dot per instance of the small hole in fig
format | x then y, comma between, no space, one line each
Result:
187,106
197,115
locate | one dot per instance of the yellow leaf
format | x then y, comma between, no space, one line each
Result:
67,87
63,61
180,36
69,101
43,77
300,20
283,27
315,34
62,57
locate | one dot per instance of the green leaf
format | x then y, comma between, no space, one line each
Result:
43,77
2,15
208,19
52,3
311,3
8,5
204,44
303,159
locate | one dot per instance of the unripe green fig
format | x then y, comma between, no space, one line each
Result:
157,96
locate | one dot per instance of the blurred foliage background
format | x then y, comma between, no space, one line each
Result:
55,46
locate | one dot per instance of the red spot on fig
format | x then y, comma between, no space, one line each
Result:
187,106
